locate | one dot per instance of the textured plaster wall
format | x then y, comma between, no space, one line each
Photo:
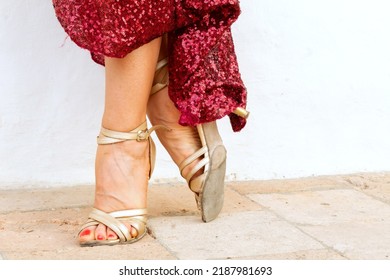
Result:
317,72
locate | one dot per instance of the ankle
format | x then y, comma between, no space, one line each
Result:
122,171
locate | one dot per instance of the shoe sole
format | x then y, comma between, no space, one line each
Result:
211,196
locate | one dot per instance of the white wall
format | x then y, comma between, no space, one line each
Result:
317,72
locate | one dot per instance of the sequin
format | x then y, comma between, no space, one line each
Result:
204,83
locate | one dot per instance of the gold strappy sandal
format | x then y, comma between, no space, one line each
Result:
209,186
114,220
135,217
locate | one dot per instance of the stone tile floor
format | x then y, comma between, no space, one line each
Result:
316,218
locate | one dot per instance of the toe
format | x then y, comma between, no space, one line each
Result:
133,231
111,235
87,234
101,232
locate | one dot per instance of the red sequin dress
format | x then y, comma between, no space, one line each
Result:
204,79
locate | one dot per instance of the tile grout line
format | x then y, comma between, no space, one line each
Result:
152,235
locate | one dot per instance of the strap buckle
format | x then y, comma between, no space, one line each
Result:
142,135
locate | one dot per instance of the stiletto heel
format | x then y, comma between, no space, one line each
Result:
241,112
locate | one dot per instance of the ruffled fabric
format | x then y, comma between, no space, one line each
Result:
204,79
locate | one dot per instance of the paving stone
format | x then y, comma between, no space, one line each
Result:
356,241
322,254
178,200
163,199
381,192
234,235
376,185
328,217
48,198
52,235
146,249
348,221
290,185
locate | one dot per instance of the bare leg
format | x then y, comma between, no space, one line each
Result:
122,168
198,152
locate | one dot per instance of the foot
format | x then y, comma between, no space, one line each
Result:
122,171
181,141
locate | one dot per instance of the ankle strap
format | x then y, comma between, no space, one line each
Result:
141,133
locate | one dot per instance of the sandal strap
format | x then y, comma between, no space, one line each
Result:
136,218
157,87
129,213
141,133
201,164
164,80
162,63
201,152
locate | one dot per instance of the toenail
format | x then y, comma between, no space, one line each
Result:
111,235
100,237
85,232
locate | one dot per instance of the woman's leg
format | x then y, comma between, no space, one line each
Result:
122,169
198,151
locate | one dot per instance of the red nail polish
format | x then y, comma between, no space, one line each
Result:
111,236
85,232
100,237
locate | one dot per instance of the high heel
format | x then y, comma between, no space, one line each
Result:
137,218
